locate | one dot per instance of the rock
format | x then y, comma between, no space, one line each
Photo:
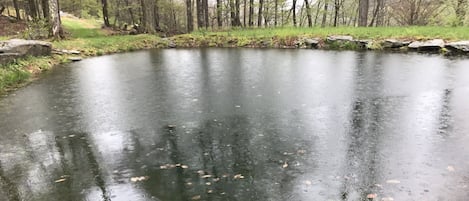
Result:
59,51
171,44
8,57
393,43
339,39
363,44
427,46
312,43
75,59
26,47
458,47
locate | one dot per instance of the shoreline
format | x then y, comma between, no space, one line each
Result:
25,70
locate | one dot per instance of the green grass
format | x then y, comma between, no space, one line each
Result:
426,32
82,28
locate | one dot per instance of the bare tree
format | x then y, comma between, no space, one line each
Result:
105,13
189,19
363,6
308,13
414,12
259,13
461,7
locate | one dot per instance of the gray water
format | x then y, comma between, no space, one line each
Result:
240,124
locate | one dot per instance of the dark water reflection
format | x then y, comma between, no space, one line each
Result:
248,125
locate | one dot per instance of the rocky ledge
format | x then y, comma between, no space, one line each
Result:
17,48
348,42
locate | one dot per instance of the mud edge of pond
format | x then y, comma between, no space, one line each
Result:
336,42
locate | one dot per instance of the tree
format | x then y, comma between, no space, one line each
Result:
293,9
461,7
259,14
324,15
54,19
308,14
17,9
251,13
414,12
189,20
363,12
105,13
219,17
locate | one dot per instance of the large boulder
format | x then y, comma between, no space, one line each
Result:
434,45
312,43
393,43
339,39
16,48
458,47
26,47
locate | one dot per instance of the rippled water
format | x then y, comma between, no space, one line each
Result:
240,124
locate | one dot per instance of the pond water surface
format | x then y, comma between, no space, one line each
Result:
241,125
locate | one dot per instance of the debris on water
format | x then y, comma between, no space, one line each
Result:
197,197
238,176
451,168
225,175
195,100
301,151
189,183
372,196
60,180
285,165
237,106
308,182
201,172
216,179
184,166
393,181
138,179
210,191
71,136
206,176
387,199
171,126
208,183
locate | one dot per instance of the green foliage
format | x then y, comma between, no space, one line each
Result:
36,30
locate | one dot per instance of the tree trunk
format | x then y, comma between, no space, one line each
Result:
54,19
131,13
219,17
259,13
251,13
200,14
276,13
461,12
32,9
293,9
237,13
2,8
308,14
148,16
375,13
205,5
189,20
156,15
336,11
244,13
324,15
363,13
105,13
17,9
317,13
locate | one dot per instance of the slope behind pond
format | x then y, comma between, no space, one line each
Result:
240,124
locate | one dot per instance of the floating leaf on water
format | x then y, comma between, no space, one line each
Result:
451,168
285,165
60,180
387,199
372,196
225,175
71,136
238,176
197,197
216,179
137,179
163,167
238,106
393,181
201,172
189,183
210,191
208,183
206,176
307,182
184,166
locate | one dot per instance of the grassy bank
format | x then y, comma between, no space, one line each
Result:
87,37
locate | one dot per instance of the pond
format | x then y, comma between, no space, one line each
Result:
240,124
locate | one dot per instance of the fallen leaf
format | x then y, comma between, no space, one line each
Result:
238,176
372,196
208,183
197,197
451,168
285,165
206,176
137,179
184,166
216,179
210,191
387,199
393,181
225,175
60,180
